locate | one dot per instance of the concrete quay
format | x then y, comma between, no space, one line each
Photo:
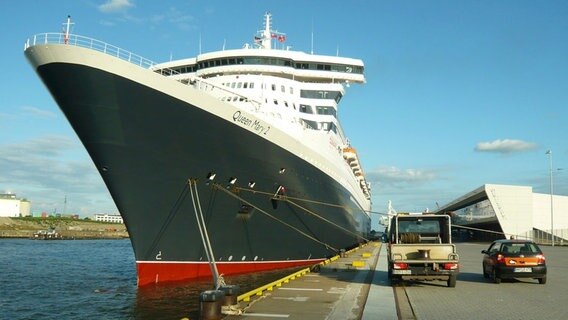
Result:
346,288
341,291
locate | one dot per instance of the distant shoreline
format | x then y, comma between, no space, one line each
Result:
9,236
60,229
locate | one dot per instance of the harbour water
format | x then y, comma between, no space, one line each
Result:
91,279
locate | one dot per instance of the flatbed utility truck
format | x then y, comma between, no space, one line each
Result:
420,248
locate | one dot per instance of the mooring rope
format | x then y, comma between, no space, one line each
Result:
289,200
294,198
203,232
324,219
220,187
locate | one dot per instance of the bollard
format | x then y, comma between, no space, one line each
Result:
210,304
342,253
231,292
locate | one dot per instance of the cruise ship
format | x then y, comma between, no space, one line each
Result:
229,162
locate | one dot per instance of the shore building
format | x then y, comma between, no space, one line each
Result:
495,211
105,217
11,206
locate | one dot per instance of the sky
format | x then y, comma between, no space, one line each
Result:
458,93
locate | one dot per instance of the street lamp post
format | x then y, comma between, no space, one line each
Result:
549,153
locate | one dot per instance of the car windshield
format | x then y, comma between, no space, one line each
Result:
520,248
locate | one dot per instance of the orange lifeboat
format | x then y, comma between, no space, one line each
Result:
349,154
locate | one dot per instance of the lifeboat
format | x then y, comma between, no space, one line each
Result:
349,154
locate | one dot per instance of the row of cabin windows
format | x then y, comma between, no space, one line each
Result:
234,98
263,61
308,124
325,126
321,94
282,89
304,108
285,104
250,85
239,85
308,94
326,110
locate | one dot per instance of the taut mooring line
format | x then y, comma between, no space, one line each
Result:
220,187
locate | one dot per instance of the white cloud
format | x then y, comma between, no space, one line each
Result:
505,146
175,17
107,23
168,18
45,170
115,6
181,20
42,113
394,175
410,190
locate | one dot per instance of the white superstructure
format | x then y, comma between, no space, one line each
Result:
293,91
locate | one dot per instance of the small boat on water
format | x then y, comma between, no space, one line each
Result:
49,234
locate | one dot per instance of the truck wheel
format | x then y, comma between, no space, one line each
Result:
394,281
452,281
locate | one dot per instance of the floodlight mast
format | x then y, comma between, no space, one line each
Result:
549,153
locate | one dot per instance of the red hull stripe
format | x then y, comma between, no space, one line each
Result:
151,272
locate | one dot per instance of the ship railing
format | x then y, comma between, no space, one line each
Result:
89,43
97,45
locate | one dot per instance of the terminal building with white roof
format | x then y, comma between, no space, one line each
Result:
495,211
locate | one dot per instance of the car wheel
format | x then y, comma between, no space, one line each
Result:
452,281
542,280
485,275
495,277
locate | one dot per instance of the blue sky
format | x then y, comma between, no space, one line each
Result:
458,93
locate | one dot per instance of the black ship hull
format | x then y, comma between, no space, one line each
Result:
148,144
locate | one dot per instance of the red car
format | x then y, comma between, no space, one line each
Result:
508,259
